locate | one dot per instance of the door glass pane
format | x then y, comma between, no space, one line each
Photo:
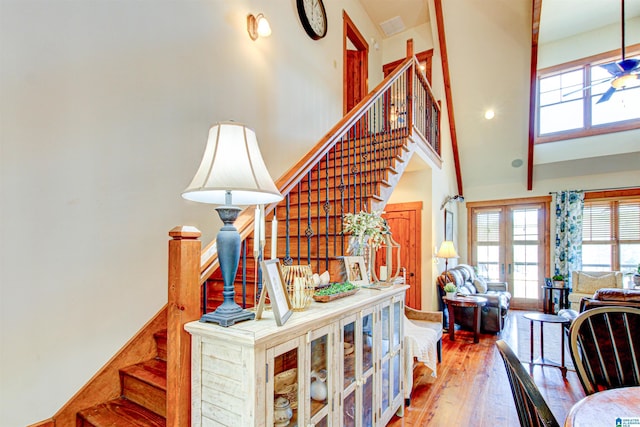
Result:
525,249
285,380
349,408
367,342
396,324
385,385
487,236
385,330
319,374
349,355
367,399
396,375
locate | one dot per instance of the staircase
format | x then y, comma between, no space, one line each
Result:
354,167
143,395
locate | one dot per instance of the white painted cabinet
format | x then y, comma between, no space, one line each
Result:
348,349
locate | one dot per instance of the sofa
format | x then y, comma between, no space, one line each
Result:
493,313
605,297
585,283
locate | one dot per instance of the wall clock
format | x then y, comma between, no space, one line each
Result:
313,18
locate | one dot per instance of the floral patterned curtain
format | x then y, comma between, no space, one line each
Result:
568,248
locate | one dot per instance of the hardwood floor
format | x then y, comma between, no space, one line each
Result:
472,388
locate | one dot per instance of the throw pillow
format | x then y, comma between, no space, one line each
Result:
588,284
481,285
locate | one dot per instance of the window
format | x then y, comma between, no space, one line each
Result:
611,235
568,95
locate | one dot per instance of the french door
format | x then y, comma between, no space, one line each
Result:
509,242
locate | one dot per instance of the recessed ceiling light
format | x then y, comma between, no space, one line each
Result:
489,114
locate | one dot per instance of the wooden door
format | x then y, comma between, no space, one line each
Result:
356,64
354,86
404,222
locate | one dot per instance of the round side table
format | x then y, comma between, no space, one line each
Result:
541,361
465,301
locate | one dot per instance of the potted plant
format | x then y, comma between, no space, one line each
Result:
366,228
636,277
450,290
558,280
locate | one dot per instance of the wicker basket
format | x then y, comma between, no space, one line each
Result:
299,281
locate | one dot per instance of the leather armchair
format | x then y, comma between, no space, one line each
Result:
493,313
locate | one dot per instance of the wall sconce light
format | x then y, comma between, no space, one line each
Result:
258,26
457,198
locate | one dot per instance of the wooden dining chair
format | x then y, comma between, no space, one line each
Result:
605,348
530,405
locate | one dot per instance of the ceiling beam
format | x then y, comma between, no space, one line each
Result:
535,30
447,91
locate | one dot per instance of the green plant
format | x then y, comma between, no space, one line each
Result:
366,227
336,288
558,278
450,287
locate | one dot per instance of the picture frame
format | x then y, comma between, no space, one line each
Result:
355,270
448,225
274,285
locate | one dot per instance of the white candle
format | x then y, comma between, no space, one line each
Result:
262,227
256,232
274,236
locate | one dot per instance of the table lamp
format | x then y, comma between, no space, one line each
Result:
231,172
447,251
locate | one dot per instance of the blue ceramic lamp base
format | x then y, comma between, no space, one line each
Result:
228,245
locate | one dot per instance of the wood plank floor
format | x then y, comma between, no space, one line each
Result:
472,388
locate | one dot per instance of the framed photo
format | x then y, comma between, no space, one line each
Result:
448,225
355,270
275,287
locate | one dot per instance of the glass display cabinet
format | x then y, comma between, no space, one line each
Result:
334,364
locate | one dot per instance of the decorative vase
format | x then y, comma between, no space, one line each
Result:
282,412
450,294
319,385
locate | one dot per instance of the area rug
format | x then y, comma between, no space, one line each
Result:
552,341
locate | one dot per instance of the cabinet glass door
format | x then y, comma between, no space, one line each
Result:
365,372
348,355
283,383
391,318
321,382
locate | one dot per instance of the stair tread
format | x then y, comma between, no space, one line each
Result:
152,371
121,412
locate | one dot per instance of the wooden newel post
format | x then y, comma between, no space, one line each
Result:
184,307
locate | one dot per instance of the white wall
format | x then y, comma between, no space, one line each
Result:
104,111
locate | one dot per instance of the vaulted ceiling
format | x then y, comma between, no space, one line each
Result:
489,51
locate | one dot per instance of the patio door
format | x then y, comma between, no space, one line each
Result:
509,242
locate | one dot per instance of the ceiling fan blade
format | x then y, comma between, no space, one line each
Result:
607,95
593,83
612,68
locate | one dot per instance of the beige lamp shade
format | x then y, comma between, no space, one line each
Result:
232,162
447,250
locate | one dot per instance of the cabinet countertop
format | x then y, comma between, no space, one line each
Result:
255,332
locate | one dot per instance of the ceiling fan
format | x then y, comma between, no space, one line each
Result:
622,72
